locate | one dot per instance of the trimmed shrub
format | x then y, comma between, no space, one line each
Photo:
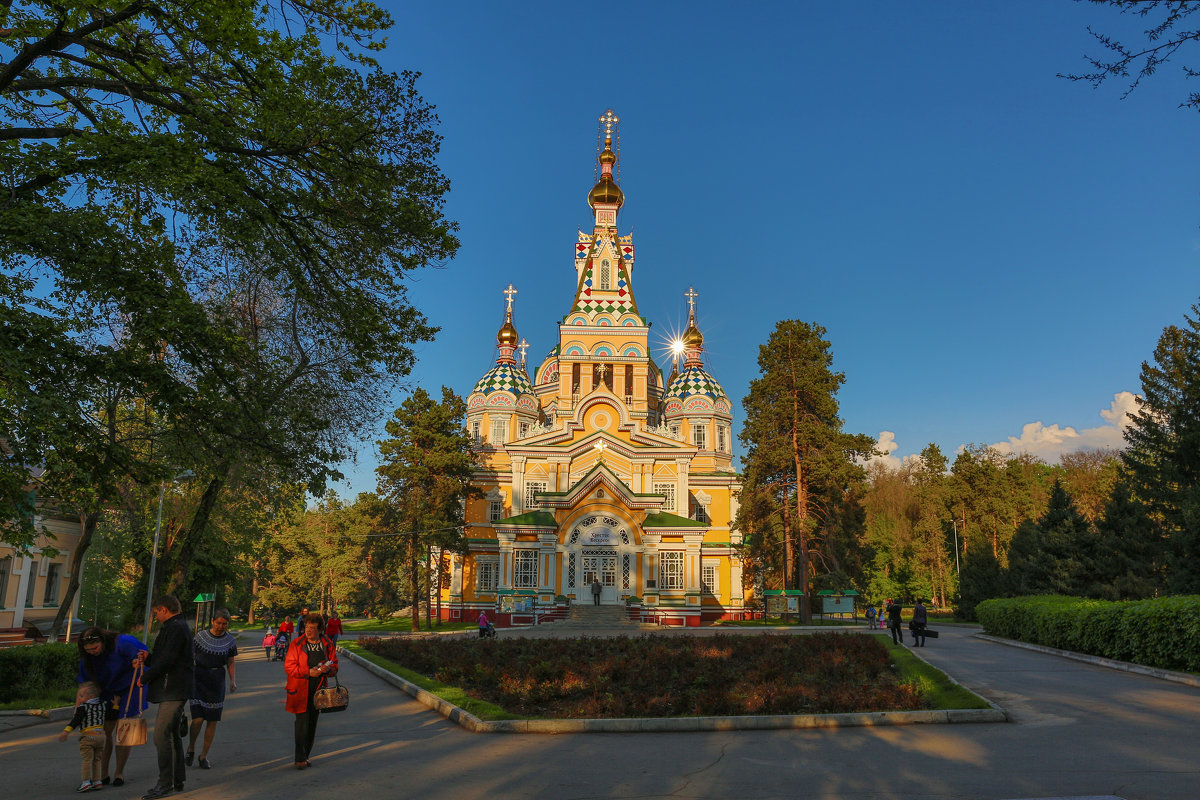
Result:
1162,632
36,670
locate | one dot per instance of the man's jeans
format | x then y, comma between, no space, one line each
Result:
168,743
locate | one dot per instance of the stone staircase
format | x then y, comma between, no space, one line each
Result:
585,617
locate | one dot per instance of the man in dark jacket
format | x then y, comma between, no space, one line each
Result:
920,621
893,615
168,674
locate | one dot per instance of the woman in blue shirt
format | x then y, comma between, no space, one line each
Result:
106,658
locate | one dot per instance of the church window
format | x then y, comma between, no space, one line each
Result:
525,569
668,491
495,510
708,578
674,431
499,432
477,431
721,438
524,428
700,513
699,436
50,596
626,569
531,490
670,570
629,383
605,274
574,377
487,576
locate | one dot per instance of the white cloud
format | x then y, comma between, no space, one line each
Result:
1050,442
886,444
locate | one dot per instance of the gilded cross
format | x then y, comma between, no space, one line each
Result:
691,294
602,370
601,446
523,346
609,120
509,292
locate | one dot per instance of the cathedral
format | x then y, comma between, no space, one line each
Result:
593,466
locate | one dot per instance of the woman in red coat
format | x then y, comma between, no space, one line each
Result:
311,658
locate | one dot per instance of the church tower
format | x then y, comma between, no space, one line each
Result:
598,471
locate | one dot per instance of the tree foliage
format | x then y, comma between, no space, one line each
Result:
426,465
797,459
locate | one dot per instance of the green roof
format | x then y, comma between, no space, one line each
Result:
540,519
664,520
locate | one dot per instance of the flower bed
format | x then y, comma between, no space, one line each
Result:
656,676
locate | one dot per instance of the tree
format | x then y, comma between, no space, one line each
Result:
1164,39
1055,554
1162,460
424,473
795,443
143,139
1129,550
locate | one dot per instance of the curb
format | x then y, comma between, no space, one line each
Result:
48,714
677,724
1186,678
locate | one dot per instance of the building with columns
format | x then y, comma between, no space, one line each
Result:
592,465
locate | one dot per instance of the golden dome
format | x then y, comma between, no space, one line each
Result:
608,156
692,338
606,192
507,334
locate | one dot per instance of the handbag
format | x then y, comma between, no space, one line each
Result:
131,731
332,698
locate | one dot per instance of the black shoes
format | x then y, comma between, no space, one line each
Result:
189,757
205,764
157,792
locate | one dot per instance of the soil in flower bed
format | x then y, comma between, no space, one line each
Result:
655,676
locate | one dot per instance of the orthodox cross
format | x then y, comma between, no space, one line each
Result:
523,346
691,294
602,370
609,120
601,446
509,292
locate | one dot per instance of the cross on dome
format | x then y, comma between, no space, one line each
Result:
523,346
508,293
691,294
609,120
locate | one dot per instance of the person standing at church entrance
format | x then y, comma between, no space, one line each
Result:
596,590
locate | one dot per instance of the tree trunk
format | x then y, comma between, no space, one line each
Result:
441,555
428,583
787,539
253,595
414,582
189,543
88,530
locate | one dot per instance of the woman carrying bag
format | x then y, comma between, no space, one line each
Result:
106,658
311,659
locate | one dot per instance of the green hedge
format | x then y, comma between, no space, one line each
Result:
1163,632
35,670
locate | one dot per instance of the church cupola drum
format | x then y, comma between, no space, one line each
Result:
596,471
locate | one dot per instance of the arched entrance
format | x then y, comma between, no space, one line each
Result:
602,547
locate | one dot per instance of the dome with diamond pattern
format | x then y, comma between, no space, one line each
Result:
504,378
692,382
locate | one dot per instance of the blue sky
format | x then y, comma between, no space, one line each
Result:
993,250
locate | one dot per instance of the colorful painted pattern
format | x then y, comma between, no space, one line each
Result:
692,382
504,378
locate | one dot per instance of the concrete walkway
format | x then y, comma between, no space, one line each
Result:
1080,730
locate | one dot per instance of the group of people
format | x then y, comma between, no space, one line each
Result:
892,612
119,676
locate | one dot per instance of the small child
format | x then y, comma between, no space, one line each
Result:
268,643
89,719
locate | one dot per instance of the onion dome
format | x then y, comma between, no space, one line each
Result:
507,335
692,338
606,191
504,377
694,382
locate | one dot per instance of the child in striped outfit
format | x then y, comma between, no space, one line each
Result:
89,719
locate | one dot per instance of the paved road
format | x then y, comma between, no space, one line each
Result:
1079,730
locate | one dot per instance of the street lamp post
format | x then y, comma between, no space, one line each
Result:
957,568
162,490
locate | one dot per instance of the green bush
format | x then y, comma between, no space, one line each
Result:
1161,632
36,670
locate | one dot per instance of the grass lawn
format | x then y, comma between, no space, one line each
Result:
400,625
774,622
671,676
51,699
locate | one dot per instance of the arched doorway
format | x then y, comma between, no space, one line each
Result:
602,547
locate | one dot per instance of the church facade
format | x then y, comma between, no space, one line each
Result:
593,466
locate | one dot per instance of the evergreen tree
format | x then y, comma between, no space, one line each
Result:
795,443
423,480
1055,554
1128,550
1163,456
982,579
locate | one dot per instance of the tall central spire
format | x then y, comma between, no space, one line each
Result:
606,198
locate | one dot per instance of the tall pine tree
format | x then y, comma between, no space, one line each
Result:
796,450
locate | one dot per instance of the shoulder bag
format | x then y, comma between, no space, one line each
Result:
332,698
131,730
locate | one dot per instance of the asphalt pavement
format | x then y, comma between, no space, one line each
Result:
1077,730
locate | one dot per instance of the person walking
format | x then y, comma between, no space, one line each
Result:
311,659
893,614
89,721
596,590
871,617
920,620
168,673
333,628
106,658
483,625
215,652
